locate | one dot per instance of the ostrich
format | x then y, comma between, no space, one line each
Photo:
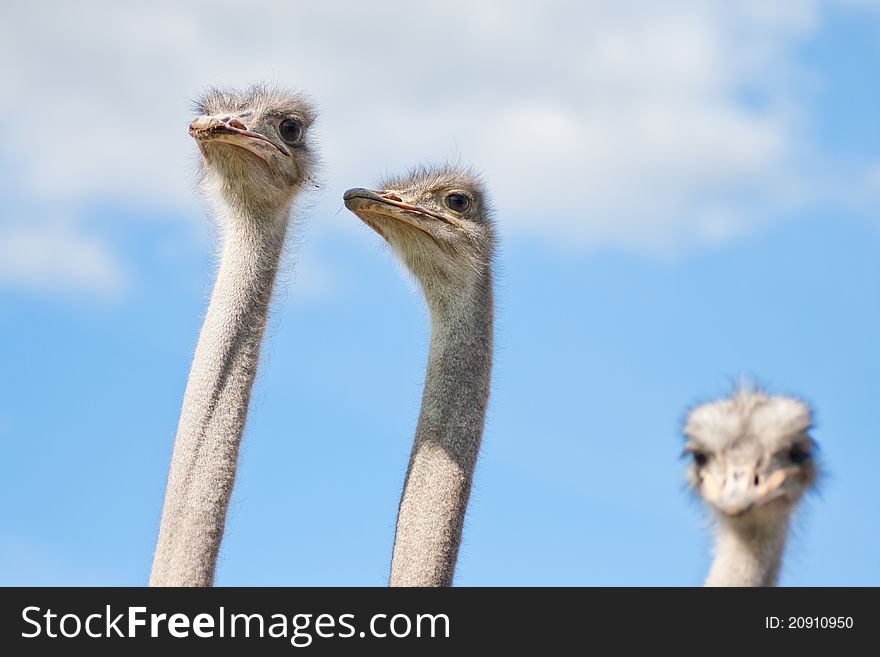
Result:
255,159
752,460
437,220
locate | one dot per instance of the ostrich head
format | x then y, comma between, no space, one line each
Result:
752,458
437,220
254,145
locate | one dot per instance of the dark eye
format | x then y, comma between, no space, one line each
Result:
458,202
798,454
700,458
290,130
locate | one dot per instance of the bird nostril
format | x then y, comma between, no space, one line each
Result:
235,123
392,197
756,480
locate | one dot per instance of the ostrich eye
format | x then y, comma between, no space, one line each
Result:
700,459
798,454
290,130
457,202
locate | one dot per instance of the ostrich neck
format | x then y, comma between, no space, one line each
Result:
215,404
447,440
747,554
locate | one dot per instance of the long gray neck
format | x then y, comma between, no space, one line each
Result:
447,440
747,554
216,400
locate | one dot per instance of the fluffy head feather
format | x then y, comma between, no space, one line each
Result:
752,455
255,144
438,220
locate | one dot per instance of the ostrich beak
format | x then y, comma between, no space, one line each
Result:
739,493
388,205
230,130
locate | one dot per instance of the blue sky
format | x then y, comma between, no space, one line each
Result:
686,195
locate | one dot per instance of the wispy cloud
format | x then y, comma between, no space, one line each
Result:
654,126
58,258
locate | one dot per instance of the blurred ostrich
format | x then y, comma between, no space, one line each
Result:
255,160
437,221
752,462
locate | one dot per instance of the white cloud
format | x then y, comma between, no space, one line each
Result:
55,257
616,122
872,176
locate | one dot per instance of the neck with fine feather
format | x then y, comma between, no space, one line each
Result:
447,440
747,553
215,404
